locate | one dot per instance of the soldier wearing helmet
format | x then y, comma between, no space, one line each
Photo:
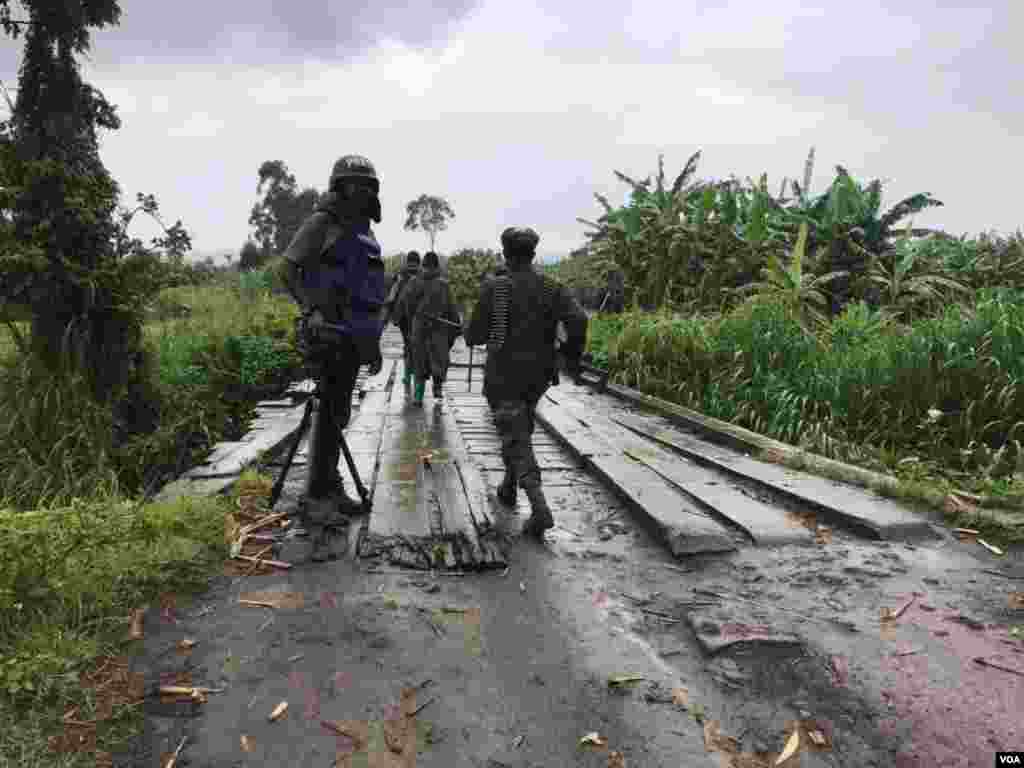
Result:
334,271
517,317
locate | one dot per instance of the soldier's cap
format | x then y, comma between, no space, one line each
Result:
520,237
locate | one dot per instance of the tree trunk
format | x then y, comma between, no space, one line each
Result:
70,336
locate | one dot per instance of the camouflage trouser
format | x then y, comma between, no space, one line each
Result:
407,349
514,420
431,355
340,368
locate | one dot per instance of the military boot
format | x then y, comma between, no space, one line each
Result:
541,519
508,490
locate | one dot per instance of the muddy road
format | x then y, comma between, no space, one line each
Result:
878,651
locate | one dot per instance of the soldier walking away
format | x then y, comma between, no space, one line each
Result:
435,324
334,270
409,272
517,318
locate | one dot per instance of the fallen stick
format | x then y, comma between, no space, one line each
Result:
423,706
262,522
900,611
275,563
186,690
658,614
986,663
1004,575
259,555
174,758
257,604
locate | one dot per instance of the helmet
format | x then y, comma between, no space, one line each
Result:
353,167
520,239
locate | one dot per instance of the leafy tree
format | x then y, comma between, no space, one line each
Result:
906,285
64,250
466,267
794,286
278,216
251,256
429,213
228,258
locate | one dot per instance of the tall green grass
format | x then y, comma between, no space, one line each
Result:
944,391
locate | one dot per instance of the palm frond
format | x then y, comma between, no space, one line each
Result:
906,207
688,170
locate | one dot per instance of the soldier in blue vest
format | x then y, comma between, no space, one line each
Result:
517,317
334,270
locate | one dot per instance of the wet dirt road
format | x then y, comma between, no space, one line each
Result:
512,667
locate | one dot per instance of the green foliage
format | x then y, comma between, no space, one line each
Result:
278,216
465,268
944,389
68,569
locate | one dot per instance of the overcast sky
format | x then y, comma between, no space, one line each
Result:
517,112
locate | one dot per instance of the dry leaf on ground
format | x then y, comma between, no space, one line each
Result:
616,760
993,549
887,614
594,739
792,746
279,710
681,697
1016,601
617,680
247,744
715,741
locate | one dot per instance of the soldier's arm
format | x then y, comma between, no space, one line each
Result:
304,248
479,326
574,319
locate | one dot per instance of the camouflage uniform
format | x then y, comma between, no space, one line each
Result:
517,318
428,298
334,248
409,272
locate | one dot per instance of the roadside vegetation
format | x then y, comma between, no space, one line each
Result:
812,319
826,323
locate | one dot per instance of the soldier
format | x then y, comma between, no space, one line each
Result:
334,270
405,278
517,318
435,324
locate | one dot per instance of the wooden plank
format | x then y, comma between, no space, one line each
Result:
398,512
843,504
685,529
764,523
456,518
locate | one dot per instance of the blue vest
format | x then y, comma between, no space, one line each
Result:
350,287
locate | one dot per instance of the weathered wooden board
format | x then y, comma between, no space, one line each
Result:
685,529
843,504
764,523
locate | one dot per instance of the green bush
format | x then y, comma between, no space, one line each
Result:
66,570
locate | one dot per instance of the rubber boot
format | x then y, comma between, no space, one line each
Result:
541,519
417,395
407,377
508,491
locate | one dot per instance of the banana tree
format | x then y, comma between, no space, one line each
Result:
904,290
794,286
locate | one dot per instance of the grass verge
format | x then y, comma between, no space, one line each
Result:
934,404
